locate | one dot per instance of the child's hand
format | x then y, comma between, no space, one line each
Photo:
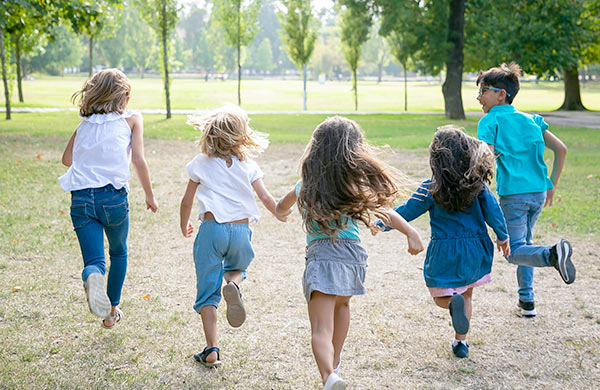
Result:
374,228
282,216
504,247
151,204
549,197
415,245
187,230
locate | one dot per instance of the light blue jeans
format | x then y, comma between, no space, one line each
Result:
219,248
95,212
521,213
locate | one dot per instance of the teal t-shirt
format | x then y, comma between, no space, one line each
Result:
350,232
518,140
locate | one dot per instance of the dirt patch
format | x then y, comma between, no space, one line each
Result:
398,338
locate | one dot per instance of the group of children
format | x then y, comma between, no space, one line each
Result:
342,183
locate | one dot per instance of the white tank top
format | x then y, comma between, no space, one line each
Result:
101,153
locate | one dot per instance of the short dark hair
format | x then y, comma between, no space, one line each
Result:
503,76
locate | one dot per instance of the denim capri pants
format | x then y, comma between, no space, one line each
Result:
335,268
218,248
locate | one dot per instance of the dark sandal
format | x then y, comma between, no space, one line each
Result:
236,313
115,320
201,357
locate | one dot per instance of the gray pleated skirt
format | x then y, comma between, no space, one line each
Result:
335,268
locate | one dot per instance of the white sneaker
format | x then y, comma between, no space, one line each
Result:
334,382
97,299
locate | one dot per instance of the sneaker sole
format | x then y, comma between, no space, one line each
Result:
97,299
565,265
460,322
236,313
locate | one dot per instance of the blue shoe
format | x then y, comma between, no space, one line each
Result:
461,350
460,322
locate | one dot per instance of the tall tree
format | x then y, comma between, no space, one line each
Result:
356,20
298,35
377,50
161,16
238,19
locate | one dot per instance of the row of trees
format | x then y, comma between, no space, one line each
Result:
546,37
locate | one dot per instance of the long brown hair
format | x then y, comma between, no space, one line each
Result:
106,91
341,178
226,132
460,166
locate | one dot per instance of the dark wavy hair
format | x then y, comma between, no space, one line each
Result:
342,179
503,76
460,166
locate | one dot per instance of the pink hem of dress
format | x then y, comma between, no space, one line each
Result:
437,292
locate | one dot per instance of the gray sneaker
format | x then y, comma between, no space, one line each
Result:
97,299
560,258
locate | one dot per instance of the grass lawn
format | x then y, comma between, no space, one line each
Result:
397,340
286,95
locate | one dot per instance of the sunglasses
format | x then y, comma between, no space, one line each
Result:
485,88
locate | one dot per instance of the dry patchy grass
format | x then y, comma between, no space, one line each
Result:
398,338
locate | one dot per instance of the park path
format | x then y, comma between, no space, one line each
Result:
589,119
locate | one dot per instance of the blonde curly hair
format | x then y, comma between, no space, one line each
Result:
226,132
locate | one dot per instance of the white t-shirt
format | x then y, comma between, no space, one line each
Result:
101,153
225,191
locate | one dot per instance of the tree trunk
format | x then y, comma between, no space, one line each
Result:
18,60
454,63
405,88
239,49
4,77
304,90
91,56
572,100
166,58
379,72
355,87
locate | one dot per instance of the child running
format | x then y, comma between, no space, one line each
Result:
222,178
341,184
460,252
518,140
98,156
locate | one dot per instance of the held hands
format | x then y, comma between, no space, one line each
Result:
374,228
282,215
549,198
187,230
151,204
504,247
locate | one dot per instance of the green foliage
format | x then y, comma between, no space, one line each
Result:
61,52
376,51
139,38
238,20
262,58
356,20
299,30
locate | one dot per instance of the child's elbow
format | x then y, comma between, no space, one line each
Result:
138,160
67,161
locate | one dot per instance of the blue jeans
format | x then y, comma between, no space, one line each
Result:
521,213
95,211
219,248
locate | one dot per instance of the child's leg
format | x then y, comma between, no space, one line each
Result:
341,323
209,323
321,312
444,302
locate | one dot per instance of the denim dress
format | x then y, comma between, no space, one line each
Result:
460,251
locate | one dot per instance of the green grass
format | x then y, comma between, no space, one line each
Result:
579,190
286,95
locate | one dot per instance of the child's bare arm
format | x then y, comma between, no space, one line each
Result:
186,208
415,245
67,157
139,161
267,199
560,152
284,206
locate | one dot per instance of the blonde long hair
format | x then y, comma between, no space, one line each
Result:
342,179
226,132
104,92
